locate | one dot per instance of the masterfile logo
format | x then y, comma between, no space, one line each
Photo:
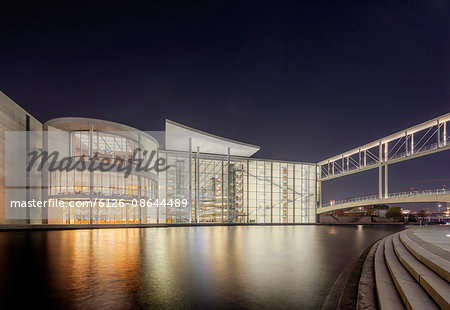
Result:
83,163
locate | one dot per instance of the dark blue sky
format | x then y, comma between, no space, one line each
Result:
304,80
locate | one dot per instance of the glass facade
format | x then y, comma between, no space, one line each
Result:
243,190
103,197
106,144
193,188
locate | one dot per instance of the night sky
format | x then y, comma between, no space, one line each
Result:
305,81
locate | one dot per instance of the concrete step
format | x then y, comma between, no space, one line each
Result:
434,239
438,264
412,294
387,295
436,287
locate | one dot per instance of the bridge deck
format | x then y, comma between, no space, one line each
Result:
409,197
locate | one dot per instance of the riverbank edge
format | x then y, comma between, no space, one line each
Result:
349,296
27,227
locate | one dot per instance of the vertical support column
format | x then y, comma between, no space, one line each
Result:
158,189
271,192
248,191
228,185
365,158
386,155
406,144
386,183
318,173
438,134
190,181
141,210
319,194
412,143
45,177
380,181
342,164
27,172
380,170
197,209
222,188
359,160
91,173
445,133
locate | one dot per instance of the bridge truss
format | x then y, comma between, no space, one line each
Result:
423,139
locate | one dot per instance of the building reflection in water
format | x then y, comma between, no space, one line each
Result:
183,267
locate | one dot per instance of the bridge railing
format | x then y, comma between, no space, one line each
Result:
441,191
325,173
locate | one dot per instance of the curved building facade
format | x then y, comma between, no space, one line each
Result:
110,192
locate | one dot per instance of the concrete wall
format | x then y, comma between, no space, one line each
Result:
328,219
13,118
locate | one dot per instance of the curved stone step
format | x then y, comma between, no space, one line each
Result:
387,295
412,294
437,243
436,287
436,263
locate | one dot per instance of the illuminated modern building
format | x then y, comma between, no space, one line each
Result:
82,138
206,179
228,185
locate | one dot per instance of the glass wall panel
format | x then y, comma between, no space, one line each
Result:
110,186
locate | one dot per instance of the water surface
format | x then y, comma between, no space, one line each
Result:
262,267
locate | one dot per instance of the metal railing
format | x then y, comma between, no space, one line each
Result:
417,150
441,191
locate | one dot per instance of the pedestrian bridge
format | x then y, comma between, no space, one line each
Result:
436,195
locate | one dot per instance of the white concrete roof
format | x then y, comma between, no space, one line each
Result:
177,139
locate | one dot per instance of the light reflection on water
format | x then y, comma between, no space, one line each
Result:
179,267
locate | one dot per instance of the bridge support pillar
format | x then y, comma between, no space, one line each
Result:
445,133
380,181
438,134
380,170
382,194
386,182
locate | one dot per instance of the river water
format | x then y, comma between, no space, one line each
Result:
256,267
